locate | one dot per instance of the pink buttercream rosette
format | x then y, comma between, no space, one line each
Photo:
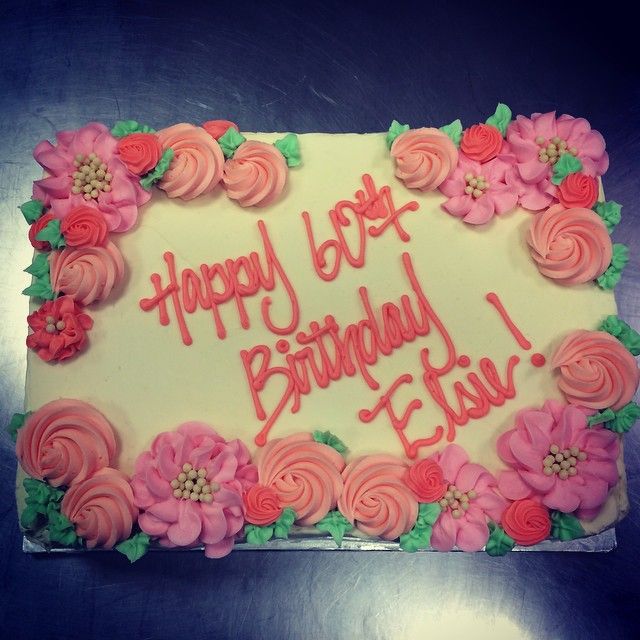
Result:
118,206
469,531
178,522
499,196
525,448
527,136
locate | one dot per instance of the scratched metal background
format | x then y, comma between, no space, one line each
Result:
308,67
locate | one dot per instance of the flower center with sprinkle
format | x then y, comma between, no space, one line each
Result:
551,150
562,463
91,177
191,484
456,500
53,326
476,185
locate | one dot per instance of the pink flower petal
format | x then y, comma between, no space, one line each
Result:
563,497
472,534
468,475
214,524
458,206
533,171
151,525
504,200
512,486
481,211
451,461
167,510
538,481
443,534
545,125
491,504
186,530
220,549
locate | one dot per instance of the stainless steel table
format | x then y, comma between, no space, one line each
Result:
327,67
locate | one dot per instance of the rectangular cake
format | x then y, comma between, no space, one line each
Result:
408,336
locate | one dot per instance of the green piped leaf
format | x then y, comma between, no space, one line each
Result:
610,212
566,165
501,118
283,524
326,437
230,141
61,529
454,131
134,547
39,266
32,210
51,234
258,535
420,536
125,127
601,417
40,288
149,179
289,147
335,524
610,278
625,418
499,542
395,129
16,422
629,337
565,526
42,500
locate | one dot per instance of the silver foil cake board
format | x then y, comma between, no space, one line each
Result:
600,543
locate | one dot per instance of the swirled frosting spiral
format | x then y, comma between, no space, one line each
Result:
86,274
197,163
261,505
101,508
596,370
527,522
375,497
571,246
256,174
304,473
424,158
64,442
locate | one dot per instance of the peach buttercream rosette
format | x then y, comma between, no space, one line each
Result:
64,442
305,475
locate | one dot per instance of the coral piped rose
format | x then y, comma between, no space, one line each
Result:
217,128
527,522
570,246
426,480
595,370
304,474
86,274
470,484
424,158
78,158
64,442
375,497
481,142
101,508
256,174
262,505
36,228
84,227
140,152
578,190
181,517
477,191
556,459
197,162
59,329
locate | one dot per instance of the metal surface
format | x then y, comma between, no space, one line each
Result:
326,67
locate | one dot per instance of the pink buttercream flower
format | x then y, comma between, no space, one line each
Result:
115,192
535,143
457,525
165,478
556,459
478,191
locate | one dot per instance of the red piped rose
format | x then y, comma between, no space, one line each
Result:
578,190
36,228
217,128
262,505
140,152
84,227
59,329
481,142
426,480
527,522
